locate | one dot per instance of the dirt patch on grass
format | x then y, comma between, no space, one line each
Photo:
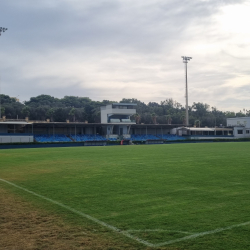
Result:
24,227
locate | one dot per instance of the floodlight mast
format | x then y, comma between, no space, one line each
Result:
1,30
185,60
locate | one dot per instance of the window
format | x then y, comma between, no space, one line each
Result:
247,131
240,132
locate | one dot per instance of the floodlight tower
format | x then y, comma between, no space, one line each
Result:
1,30
185,60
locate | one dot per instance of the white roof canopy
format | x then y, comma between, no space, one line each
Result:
15,123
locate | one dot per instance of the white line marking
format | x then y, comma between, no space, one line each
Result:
156,230
82,214
193,236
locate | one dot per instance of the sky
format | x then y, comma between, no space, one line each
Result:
114,49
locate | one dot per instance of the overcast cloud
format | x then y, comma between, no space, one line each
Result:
124,48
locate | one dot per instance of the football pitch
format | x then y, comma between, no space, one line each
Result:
177,196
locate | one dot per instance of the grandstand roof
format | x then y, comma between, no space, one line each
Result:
156,125
63,124
15,123
244,117
124,104
83,124
207,129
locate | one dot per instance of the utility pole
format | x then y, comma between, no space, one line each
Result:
185,60
1,30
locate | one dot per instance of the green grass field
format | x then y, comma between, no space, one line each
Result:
183,196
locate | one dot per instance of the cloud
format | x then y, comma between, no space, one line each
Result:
113,49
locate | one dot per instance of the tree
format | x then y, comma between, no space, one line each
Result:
83,108
80,115
153,104
154,118
26,111
96,113
168,119
61,114
230,114
50,114
240,114
197,121
168,102
6,99
137,118
38,113
2,111
72,113
71,101
200,109
43,100
183,118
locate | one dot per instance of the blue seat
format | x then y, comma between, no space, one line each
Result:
82,138
51,138
143,137
170,137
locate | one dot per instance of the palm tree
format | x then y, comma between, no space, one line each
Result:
154,118
2,111
183,119
137,118
50,113
168,118
72,112
198,122
96,114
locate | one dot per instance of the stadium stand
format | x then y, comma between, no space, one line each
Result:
143,137
112,139
85,138
170,137
52,138
82,138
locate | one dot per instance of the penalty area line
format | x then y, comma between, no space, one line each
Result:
115,229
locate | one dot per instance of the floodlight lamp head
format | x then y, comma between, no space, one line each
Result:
186,59
2,30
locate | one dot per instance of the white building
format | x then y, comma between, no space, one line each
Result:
203,133
241,126
117,116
